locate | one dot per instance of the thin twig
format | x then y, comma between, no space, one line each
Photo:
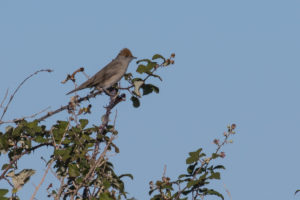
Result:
165,170
115,117
61,188
19,156
26,117
227,191
9,182
98,163
86,98
113,102
42,180
205,163
5,96
14,93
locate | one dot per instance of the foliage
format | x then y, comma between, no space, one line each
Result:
79,150
199,173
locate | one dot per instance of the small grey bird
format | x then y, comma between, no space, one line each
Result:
110,74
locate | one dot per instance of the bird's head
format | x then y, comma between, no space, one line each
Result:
126,53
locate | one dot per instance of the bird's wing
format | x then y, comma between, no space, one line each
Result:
98,79
104,74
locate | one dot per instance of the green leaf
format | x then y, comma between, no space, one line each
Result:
149,88
191,160
34,127
213,192
157,56
126,175
64,153
219,167
143,60
191,168
192,183
9,130
135,102
297,191
83,123
215,155
194,156
106,184
215,175
151,65
5,165
146,69
73,170
40,139
117,150
141,69
3,192
63,125
182,175
105,196
17,131
4,144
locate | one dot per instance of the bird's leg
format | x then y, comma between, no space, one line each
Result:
112,93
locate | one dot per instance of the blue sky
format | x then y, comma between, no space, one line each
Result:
236,62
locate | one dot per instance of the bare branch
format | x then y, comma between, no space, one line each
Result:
86,98
8,181
115,117
4,98
42,180
72,77
19,156
14,93
227,191
165,170
61,188
26,117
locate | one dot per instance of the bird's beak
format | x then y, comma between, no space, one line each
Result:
133,57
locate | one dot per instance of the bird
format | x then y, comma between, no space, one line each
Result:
110,74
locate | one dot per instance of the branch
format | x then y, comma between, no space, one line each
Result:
14,93
96,164
93,95
19,156
61,188
20,119
206,161
42,180
113,102
5,96
86,98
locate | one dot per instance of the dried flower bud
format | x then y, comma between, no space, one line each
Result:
222,154
172,62
173,55
165,179
216,141
151,185
49,186
233,126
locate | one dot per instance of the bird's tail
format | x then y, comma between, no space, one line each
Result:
72,91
